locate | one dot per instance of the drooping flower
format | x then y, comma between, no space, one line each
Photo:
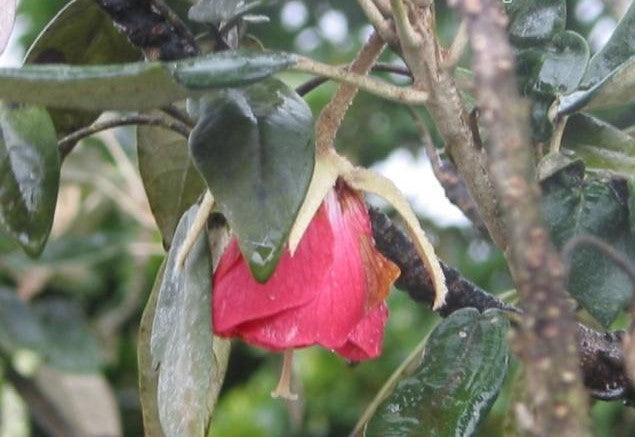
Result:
330,292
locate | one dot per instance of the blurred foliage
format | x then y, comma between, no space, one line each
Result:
104,262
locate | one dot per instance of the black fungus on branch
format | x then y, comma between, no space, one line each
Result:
157,35
601,353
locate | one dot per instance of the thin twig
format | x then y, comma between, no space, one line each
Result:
315,82
378,21
447,175
182,116
333,113
68,143
377,87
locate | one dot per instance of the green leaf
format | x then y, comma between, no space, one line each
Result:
450,392
70,345
29,175
618,50
575,203
564,62
599,144
535,21
171,181
81,33
19,327
254,149
148,375
616,89
610,76
190,373
138,85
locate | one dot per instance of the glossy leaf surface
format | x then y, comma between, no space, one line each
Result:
564,62
189,372
450,392
578,203
29,175
254,150
136,86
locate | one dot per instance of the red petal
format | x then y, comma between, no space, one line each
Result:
318,296
366,340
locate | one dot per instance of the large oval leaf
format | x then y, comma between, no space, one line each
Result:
171,181
81,33
575,203
29,175
190,369
254,149
448,394
136,86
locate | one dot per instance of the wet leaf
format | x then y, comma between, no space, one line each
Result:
535,21
189,372
29,175
7,18
565,59
256,144
137,85
599,144
69,343
171,181
80,34
450,392
577,203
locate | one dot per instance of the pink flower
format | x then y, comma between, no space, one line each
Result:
331,292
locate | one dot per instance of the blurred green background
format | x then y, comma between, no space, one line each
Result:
105,250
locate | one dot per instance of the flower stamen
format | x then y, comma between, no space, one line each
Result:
283,390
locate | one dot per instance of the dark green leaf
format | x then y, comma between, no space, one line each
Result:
148,375
599,144
535,21
80,34
610,77
70,345
189,372
449,393
575,203
564,62
29,175
19,328
171,181
254,149
136,86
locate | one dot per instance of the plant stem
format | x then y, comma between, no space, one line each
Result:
68,143
374,86
547,340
